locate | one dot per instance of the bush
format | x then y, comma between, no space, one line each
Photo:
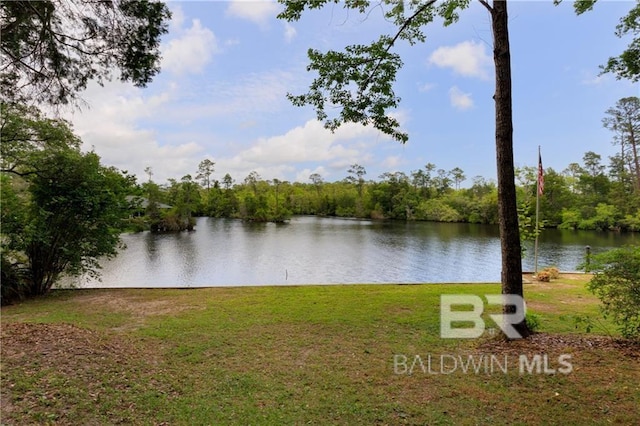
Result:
553,272
437,211
570,219
135,224
548,274
12,283
543,276
533,321
631,223
616,282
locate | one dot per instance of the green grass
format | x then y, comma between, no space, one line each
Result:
298,355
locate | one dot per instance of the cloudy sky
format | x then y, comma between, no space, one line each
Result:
228,65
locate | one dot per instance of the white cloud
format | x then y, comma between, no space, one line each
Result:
177,17
588,79
459,99
289,32
110,128
131,130
309,143
303,175
257,11
424,88
467,58
190,52
244,96
392,163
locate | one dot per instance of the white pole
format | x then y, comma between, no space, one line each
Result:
535,248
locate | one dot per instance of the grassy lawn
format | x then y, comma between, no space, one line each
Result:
305,355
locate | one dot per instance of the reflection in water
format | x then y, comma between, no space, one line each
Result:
312,250
152,252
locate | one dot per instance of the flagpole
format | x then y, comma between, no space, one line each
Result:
535,248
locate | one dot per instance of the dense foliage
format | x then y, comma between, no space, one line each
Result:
61,209
627,64
50,50
586,195
616,281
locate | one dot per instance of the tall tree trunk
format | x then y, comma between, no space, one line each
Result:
636,160
511,276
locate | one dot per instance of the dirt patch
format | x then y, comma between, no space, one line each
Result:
575,276
139,306
62,374
59,344
560,304
556,343
528,278
553,285
119,301
566,281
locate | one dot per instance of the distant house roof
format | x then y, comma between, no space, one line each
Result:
143,203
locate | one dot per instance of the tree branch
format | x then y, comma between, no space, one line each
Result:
395,38
486,5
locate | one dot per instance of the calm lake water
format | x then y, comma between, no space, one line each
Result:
313,250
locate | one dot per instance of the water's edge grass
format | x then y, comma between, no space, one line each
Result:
302,355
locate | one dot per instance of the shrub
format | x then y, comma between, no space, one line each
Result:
616,282
437,211
533,321
570,219
543,276
12,283
135,224
548,274
631,223
553,272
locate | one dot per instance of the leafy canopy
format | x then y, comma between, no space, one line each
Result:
360,79
50,50
61,209
617,283
627,64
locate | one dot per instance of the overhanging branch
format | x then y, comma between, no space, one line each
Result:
395,38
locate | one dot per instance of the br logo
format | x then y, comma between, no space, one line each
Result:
448,315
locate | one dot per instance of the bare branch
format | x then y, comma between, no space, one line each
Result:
486,5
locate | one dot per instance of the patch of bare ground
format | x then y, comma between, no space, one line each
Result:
48,368
121,301
553,285
561,301
567,277
559,343
566,281
139,307
575,276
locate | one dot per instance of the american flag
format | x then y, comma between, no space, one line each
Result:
540,175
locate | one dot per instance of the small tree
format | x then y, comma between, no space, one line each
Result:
61,209
458,176
617,283
205,170
624,121
75,218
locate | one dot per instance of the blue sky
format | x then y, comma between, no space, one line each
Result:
227,66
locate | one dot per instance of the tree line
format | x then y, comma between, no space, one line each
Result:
586,195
